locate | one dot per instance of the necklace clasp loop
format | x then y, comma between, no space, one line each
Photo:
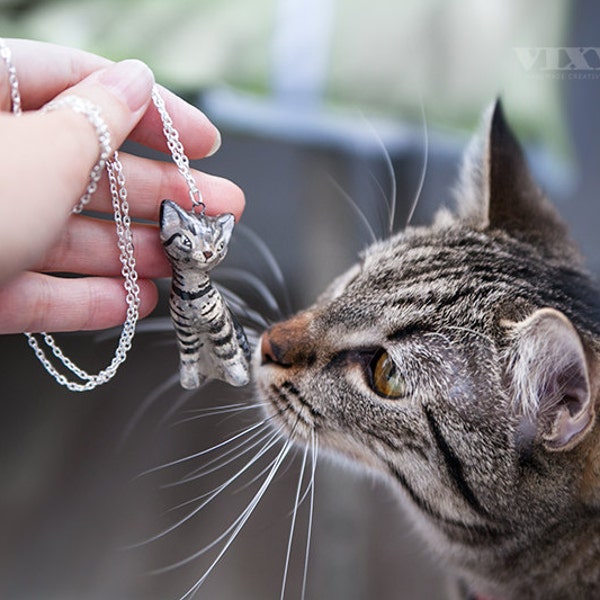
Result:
198,205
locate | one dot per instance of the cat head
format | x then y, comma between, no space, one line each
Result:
460,359
194,241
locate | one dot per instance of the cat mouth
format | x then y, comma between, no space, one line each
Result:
288,406
286,403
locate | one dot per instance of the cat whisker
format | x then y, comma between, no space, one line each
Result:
276,434
220,461
219,410
480,334
385,222
423,168
182,398
246,485
305,494
210,498
311,506
145,406
394,192
264,422
293,523
239,306
178,461
438,334
268,445
219,538
234,529
392,201
258,475
361,215
272,265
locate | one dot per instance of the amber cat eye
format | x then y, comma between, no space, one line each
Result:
384,378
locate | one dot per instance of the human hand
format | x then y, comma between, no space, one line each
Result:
45,161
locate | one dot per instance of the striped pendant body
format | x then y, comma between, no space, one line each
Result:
212,344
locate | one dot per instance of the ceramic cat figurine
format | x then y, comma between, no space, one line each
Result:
461,361
211,342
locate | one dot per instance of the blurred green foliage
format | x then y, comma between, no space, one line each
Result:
384,57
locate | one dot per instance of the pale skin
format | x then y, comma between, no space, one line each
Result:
45,160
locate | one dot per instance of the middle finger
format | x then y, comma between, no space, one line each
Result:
148,182
88,246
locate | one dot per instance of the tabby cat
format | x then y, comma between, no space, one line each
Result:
462,362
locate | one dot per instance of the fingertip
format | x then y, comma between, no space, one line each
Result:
216,144
120,93
226,197
198,134
131,81
240,204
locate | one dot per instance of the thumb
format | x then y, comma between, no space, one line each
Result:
122,92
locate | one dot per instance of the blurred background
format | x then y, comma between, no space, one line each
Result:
310,96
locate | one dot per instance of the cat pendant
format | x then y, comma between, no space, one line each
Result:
212,344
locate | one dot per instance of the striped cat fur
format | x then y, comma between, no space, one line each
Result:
461,361
212,345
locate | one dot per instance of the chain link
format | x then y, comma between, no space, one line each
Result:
128,270
92,113
13,82
177,151
122,220
109,161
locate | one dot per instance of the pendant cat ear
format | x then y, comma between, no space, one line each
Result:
226,221
170,219
551,382
497,190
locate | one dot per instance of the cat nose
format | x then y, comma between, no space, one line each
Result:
207,254
268,353
287,344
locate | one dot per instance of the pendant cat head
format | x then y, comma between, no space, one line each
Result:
462,362
194,241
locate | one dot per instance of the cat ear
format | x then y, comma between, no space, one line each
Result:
497,190
551,380
170,219
226,221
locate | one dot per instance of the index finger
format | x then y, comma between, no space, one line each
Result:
45,70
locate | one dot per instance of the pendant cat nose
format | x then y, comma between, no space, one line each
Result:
287,344
207,254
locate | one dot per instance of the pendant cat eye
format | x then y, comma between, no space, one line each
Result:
384,378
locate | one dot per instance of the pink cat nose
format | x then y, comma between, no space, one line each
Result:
288,343
266,349
207,254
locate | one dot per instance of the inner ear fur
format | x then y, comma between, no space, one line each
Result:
550,374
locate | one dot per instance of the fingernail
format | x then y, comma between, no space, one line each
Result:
131,80
216,144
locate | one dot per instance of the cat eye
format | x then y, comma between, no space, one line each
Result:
384,377
185,242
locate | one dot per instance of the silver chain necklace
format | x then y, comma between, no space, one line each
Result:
109,160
